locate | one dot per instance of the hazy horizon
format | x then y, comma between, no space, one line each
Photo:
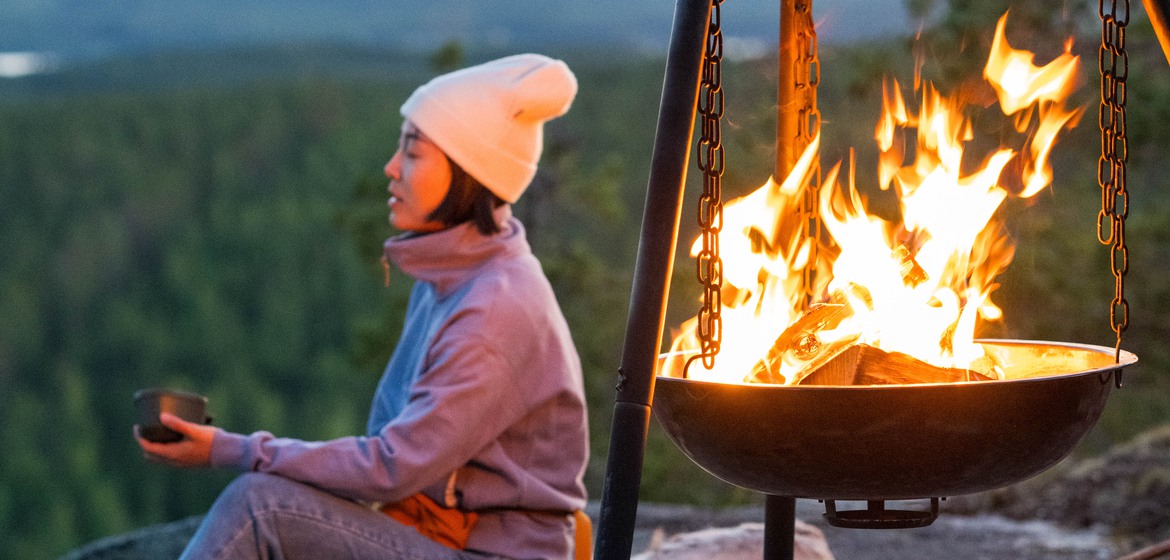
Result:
81,29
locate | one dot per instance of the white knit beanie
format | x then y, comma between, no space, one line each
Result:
490,118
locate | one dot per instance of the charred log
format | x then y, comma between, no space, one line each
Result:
862,364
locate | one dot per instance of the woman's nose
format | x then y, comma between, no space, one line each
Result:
392,167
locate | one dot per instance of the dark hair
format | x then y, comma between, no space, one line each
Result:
468,199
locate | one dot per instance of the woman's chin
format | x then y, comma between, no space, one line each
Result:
398,221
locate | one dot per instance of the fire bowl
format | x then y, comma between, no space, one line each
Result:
891,442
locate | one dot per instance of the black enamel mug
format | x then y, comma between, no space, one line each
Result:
150,403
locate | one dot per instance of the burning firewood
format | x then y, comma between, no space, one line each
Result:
810,358
800,345
862,364
912,272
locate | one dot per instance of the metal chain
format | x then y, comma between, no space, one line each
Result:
710,156
808,76
1114,66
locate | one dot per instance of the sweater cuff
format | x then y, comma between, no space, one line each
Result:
228,449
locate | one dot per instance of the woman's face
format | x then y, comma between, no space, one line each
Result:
420,177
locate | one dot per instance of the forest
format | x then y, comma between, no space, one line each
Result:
212,221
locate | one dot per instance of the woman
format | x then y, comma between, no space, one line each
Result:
476,443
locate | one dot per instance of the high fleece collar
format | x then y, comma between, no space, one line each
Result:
448,258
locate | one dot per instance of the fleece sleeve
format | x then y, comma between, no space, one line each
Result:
462,402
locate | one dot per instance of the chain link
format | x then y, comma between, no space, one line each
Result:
711,159
1114,66
808,75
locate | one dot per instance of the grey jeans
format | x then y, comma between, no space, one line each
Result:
261,516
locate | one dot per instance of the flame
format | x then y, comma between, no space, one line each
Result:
919,284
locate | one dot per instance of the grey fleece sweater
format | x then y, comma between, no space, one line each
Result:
481,406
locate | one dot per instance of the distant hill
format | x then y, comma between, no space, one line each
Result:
241,66
86,29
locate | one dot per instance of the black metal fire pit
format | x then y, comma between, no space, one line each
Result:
892,441
868,443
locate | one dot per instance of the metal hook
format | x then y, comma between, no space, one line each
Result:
1115,374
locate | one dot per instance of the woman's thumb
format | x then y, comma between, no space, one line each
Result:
175,423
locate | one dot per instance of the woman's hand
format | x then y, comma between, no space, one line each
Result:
194,450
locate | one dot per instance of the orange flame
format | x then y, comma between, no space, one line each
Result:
919,284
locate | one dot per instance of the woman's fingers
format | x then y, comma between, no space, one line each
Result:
177,424
193,450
